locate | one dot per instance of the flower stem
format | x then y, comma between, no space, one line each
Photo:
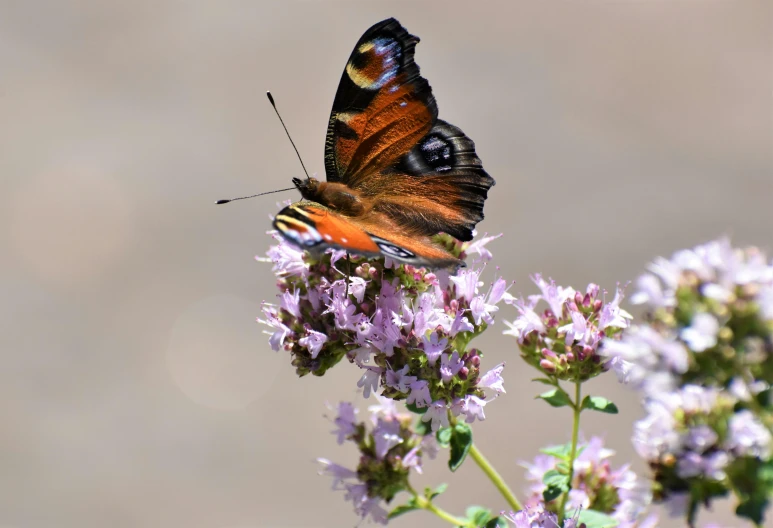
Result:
490,472
495,477
573,453
426,504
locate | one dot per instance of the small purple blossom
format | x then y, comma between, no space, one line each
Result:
563,341
389,452
594,483
313,342
747,436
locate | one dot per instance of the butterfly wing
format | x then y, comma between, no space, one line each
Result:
385,141
382,108
314,227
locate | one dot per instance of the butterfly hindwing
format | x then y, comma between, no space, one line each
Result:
440,185
316,228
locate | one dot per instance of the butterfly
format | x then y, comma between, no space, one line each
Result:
396,174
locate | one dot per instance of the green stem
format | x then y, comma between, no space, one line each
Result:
427,504
491,473
495,477
573,453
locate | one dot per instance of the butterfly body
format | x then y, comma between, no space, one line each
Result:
396,174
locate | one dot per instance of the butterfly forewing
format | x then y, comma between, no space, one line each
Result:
382,108
315,228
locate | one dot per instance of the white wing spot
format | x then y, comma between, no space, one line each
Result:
344,240
328,238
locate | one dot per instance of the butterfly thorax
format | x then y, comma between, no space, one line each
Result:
335,196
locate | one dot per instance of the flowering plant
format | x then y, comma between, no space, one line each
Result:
701,357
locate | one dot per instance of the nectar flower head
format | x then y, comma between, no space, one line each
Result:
563,340
389,450
697,439
709,320
407,328
595,485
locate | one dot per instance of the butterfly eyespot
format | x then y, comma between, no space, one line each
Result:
438,153
375,63
393,250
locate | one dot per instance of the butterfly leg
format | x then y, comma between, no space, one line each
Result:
348,272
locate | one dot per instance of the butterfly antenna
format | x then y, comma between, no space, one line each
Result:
271,100
253,196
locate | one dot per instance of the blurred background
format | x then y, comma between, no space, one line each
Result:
136,389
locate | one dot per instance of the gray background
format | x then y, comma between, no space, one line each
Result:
136,389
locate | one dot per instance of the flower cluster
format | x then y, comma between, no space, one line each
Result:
538,518
389,451
407,328
699,446
595,486
703,360
563,340
709,321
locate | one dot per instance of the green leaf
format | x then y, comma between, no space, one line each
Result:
444,436
545,381
556,397
595,519
597,403
560,452
431,494
422,428
557,483
417,410
478,515
404,508
496,522
753,509
461,441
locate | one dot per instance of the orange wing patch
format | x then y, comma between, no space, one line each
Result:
391,125
311,226
314,227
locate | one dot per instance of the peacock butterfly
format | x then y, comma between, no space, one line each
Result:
396,174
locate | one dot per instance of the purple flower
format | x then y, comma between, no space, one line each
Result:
554,295
386,435
563,342
281,331
747,436
702,333
369,380
389,452
478,247
420,395
339,473
313,341
528,322
709,301
345,421
537,518
399,379
493,379
437,414
433,346
287,259
700,438
450,365
466,284
618,493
